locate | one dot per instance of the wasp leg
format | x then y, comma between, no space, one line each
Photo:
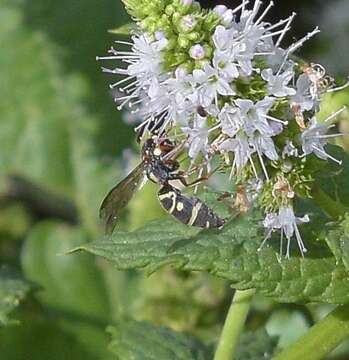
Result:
195,182
182,179
180,176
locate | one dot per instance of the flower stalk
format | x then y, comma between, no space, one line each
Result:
234,324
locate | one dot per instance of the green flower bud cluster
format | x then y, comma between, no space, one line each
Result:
185,25
289,180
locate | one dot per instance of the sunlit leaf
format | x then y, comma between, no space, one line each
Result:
231,253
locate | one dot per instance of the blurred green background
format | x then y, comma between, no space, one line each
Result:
61,148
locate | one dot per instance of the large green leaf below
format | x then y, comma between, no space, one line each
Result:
231,253
73,290
40,338
143,341
256,345
133,340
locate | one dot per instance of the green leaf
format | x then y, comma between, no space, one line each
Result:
33,133
13,290
125,29
92,179
332,179
144,341
133,340
47,134
338,241
231,253
39,338
73,289
256,345
78,45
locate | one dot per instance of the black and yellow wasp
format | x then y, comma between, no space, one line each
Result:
159,166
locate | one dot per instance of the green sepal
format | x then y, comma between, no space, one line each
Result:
125,29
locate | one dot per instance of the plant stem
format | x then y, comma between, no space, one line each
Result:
234,324
321,339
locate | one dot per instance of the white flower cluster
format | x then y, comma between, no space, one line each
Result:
238,101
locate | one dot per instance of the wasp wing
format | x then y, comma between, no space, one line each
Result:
119,196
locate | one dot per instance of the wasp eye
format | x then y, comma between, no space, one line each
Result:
166,145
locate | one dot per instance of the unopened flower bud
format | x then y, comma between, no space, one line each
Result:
188,23
220,9
186,2
194,36
169,10
183,42
197,52
227,17
159,35
180,72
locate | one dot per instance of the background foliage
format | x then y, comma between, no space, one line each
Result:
61,146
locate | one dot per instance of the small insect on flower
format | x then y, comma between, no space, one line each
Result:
159,166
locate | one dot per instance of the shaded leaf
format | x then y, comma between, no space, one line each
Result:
231,253
83,36
47,134
34,139
256,345
133,340
92,179
39,338
13,290
73,289
338,240
332,178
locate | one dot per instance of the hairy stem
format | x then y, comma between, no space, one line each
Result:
234,324
321,339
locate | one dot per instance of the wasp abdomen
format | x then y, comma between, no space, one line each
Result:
188,210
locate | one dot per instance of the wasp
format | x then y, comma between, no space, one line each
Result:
160,166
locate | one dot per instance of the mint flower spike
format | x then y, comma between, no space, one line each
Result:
220,83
